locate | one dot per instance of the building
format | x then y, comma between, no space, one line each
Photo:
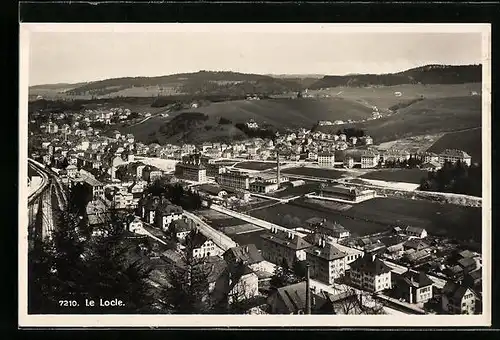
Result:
97,213
52,128
370,273
248,255
263,187
123,200
180,228
234,180
166,213
150,173
280,246
414,287
94,186
453,156
191,170
342,192
201,245
326,159
243,284
416,232
348,162
458,299
135,225
415,244
368,140
369,160
430,157
292,299
334,230
327,262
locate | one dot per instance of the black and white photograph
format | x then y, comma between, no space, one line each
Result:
254,175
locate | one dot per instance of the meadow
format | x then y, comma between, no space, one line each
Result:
379,214
469,141
397,175
314,172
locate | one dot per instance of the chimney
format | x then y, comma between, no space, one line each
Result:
308,291
411,294
278,179
246,249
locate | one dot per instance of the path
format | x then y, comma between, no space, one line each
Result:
220,239
253,220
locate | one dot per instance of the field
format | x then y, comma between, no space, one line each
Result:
255,165
468,141
397,175
383,97
314,172
379,214
292,113
428,116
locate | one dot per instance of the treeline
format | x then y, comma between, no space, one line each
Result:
175,193
412,162
455,178
183,123
429,74
351,132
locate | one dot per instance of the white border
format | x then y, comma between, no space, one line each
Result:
26,320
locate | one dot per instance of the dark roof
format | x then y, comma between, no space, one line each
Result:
329,252
247,254
466,262
280,237
294,298
416,244
180,226
210,189
392,240
197,239
454,153
476,274
216,266
370,265
415,230
466,253
416,279
454,290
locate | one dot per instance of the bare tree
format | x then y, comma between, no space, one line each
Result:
349,300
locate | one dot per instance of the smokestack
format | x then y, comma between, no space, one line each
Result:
308,291
278,179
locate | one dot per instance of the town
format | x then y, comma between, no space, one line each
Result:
214,202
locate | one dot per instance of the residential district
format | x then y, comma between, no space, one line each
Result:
403,269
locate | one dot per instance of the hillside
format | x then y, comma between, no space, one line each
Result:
429,74
426,116
469,140
303,112
203,82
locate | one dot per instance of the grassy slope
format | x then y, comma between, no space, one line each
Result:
278,112
287,112
383,96
425,117
469,141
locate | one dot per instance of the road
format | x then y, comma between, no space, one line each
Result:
221,240
253,220
39,168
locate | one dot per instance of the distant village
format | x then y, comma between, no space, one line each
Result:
405,267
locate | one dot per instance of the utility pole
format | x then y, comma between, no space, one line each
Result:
308,291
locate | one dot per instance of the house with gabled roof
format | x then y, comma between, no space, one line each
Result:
247,254
414,287
370,273
458,299
280,246
326,261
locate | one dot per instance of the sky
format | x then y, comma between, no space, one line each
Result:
70,57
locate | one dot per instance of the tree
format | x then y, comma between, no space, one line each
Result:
188,288
283,276
352,301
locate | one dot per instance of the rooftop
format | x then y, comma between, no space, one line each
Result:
328,252
416,279
455,153
371,265
281,237
248,254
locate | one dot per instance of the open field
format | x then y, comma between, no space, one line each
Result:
411,144
469,141
315,172
428,116
304,112
383,97
397,175
240,229
255,165
379,214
